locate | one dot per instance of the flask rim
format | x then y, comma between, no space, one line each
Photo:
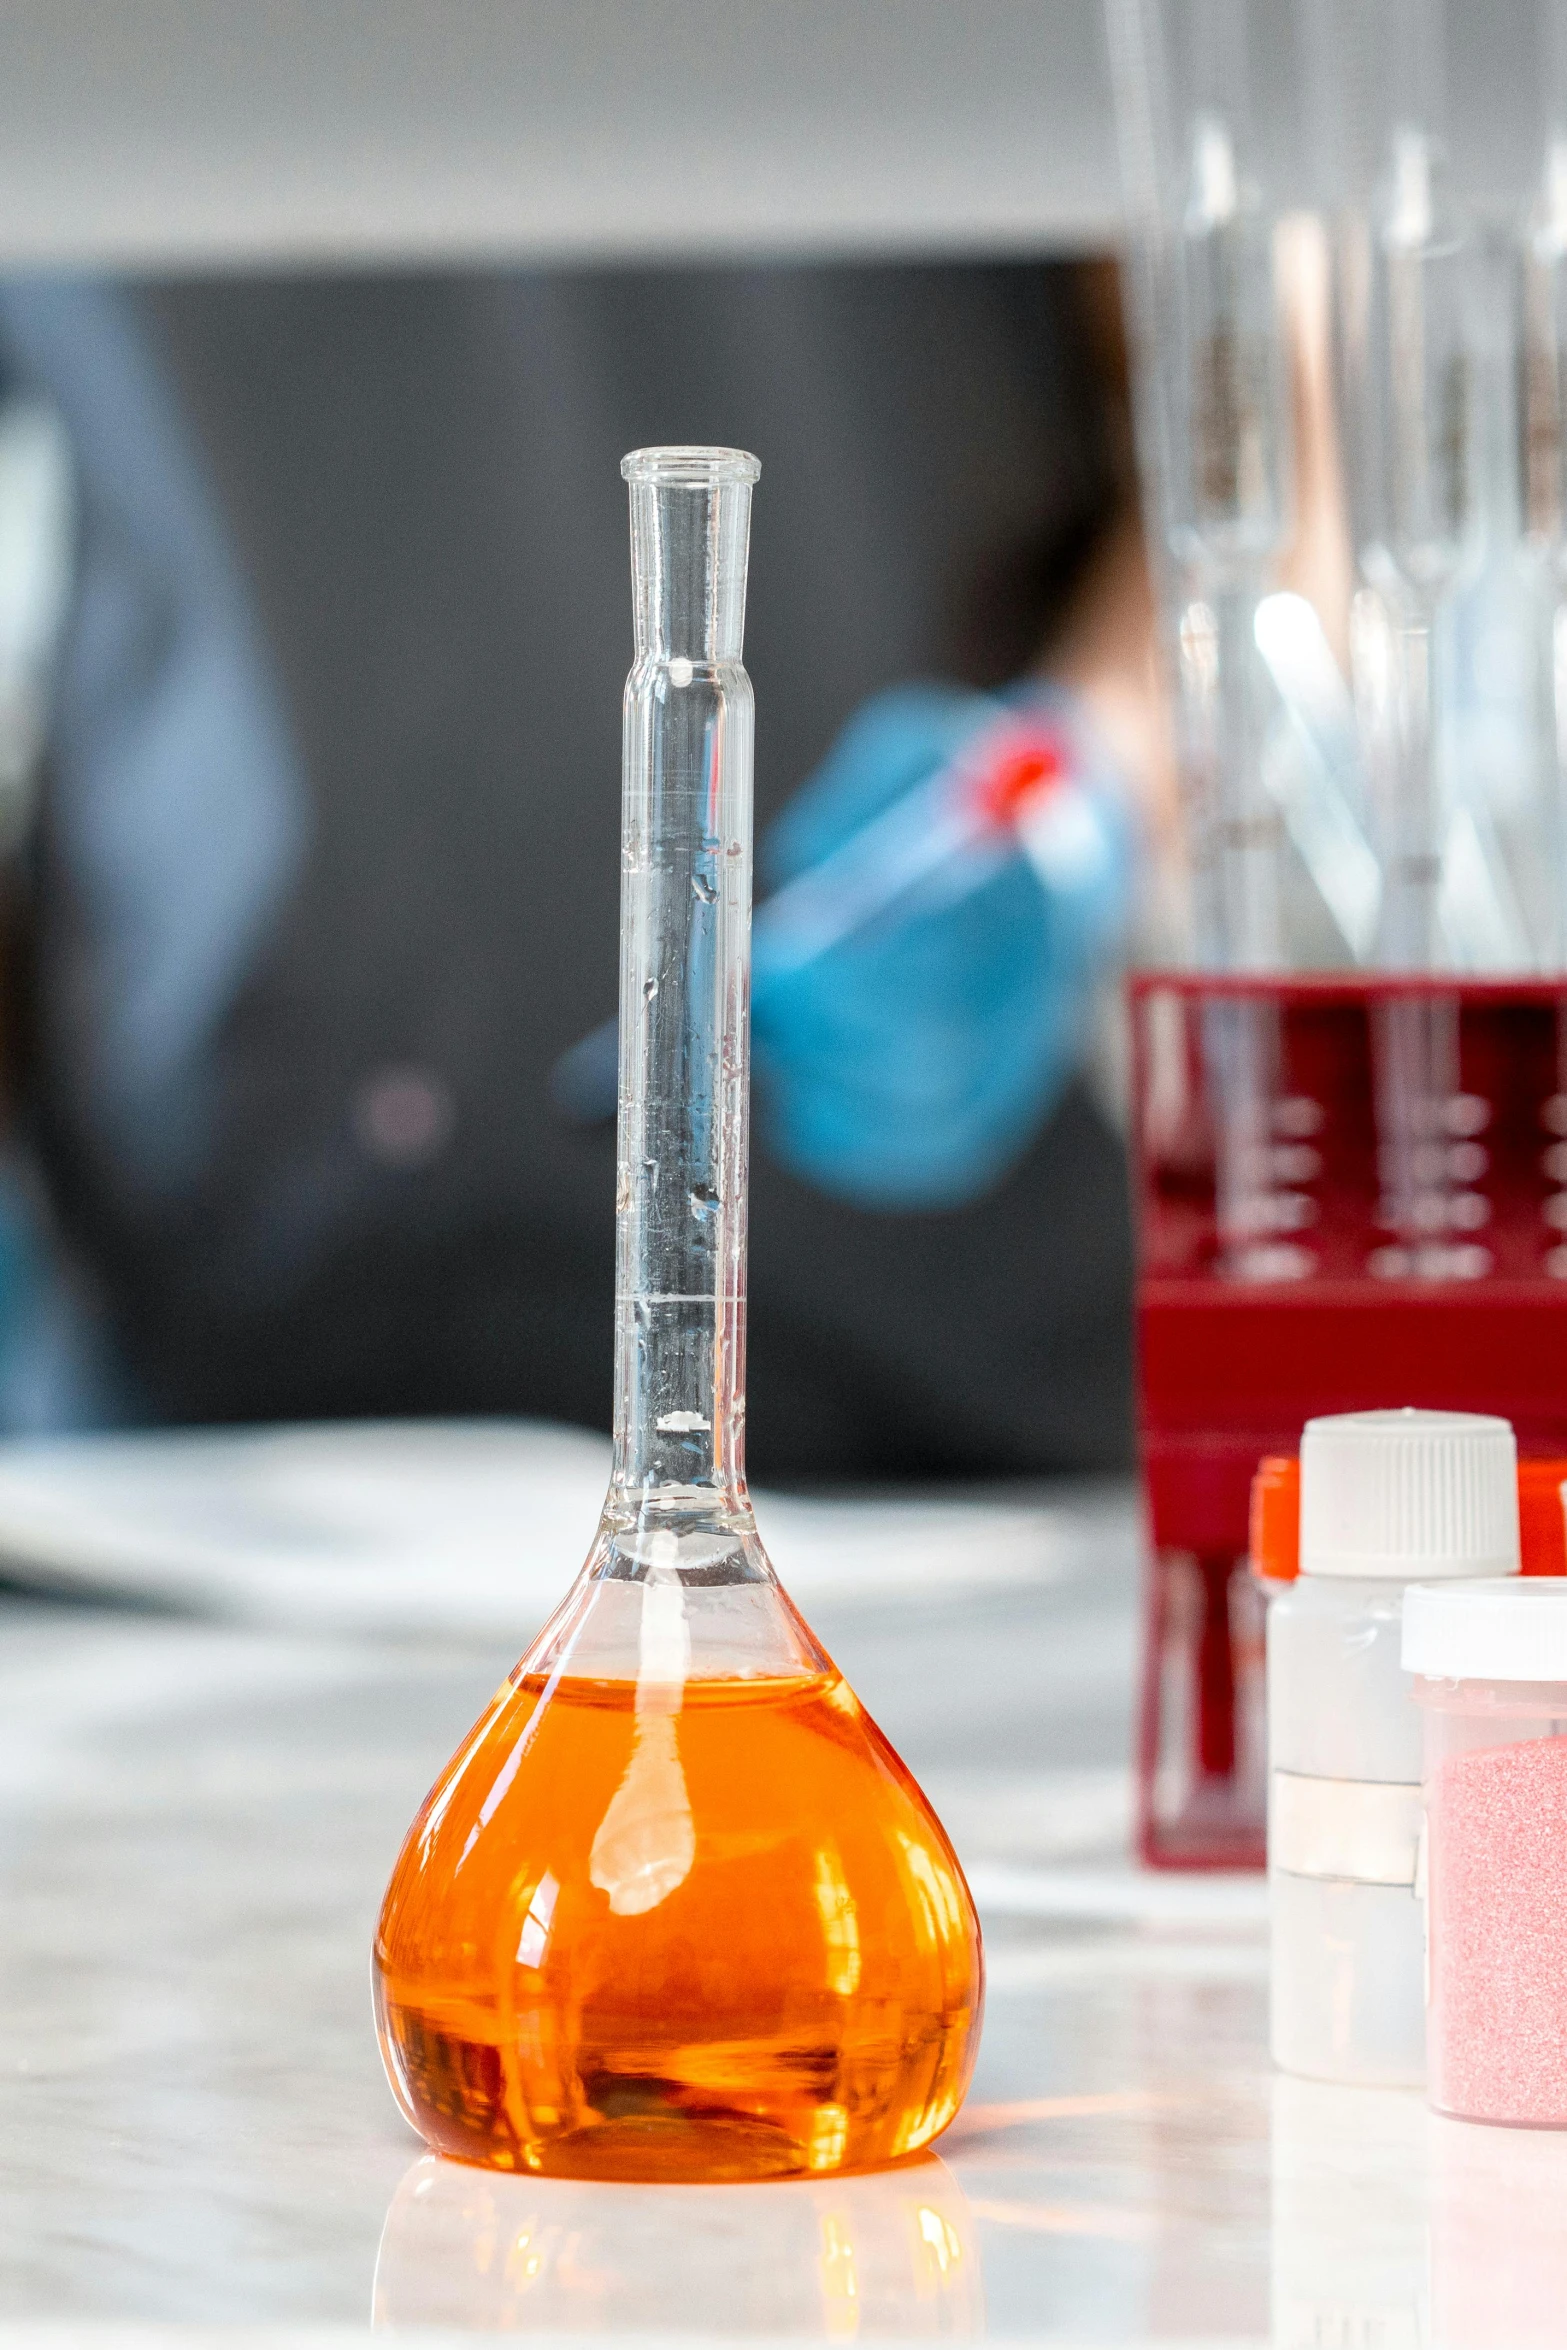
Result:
694,468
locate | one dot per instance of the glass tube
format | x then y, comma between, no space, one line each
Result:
1214,418
1213,412
1410,338
1542,412
1411,335
1542,453
684,977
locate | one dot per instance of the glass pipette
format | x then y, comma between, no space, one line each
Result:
1542,445
1418,512
1225,533
1320,789
1228,525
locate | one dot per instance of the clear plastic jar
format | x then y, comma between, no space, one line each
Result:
1387,1499
1491,1667
1343,1835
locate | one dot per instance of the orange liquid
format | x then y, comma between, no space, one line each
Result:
798,1992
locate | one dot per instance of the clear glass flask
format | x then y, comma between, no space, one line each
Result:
675,1909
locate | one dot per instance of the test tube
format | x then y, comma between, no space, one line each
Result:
1216,381
1214,418
1414,495
1418,508
1542,454
1542,413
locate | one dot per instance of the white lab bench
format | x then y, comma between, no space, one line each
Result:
197,1816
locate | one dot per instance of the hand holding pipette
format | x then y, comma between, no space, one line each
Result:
956,879
952,884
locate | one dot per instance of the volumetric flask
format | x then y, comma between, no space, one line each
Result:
675,1909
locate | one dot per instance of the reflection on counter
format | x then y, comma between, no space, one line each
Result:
890,2253
1498,2258
1350,2216
1396,2227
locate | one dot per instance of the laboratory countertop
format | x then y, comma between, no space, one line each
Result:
196,1823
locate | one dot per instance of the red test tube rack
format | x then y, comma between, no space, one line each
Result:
1316,1235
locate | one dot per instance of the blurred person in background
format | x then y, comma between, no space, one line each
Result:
322,879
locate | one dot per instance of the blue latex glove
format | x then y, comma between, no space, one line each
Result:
910,1061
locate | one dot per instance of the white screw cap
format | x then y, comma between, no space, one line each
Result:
1408,1495
1488,1631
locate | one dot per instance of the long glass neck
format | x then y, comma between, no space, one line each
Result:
685,955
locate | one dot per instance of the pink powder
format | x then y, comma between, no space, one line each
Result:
1497,2021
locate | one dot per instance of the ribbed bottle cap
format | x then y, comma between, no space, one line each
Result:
1512,1631
1408,1495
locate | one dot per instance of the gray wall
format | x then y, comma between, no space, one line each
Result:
190,131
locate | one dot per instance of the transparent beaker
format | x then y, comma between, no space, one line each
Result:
675,1910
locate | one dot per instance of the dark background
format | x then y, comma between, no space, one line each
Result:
420,474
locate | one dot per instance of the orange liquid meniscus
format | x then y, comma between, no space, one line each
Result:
722,1937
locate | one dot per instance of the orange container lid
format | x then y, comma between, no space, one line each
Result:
1542,1527
1275,1519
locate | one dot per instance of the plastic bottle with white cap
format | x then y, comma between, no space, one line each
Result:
1387,1499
